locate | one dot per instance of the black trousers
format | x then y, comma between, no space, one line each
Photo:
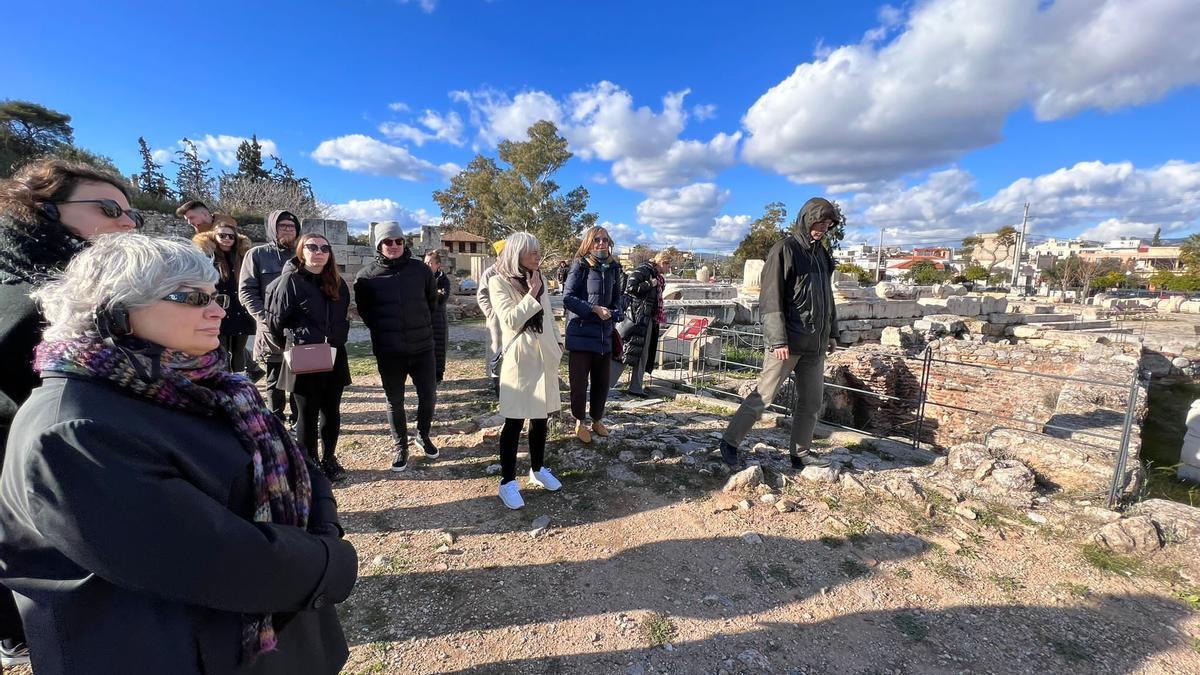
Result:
235,346
395,370
318,412
510,435
276,397
582,367
10,619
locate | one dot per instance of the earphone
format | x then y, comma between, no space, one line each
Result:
112,321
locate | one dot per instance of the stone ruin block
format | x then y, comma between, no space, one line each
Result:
854,324
1190,306
848,337
1004,318
940,324
1022,331
980,327
854,310
1170,304
963,306
752,276
898,309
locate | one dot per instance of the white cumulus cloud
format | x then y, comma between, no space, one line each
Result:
363,154
682,162
223,148
438,127
361,212
952,73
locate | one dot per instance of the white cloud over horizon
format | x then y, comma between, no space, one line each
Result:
363,154
881,108
221,148
361,212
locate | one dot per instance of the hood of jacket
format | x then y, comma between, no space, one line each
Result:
273,218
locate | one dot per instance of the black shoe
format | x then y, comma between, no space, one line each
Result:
14,653
798,461
424,443
401,463
333,470
255,374
729,454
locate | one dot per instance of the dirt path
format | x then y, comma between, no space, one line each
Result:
647,567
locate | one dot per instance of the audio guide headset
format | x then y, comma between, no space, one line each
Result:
112,321
51,210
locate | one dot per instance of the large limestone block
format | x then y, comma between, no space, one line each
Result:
1025,331
752,276
963,306
901,309
1190,307
1170,304
934,305
854,310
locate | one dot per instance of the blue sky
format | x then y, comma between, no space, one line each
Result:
931,120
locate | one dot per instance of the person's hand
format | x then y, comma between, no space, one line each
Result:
832,346
654,281
535,283
781,353
602,312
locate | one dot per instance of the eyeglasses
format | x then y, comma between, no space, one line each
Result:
224,235
602,240
313,248
111,209
285,225
392,242
197,298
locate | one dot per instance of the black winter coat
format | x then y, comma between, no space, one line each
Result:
297,307
440,327
796,296
127,531
237,320
642,300
397,300
29,254
586,286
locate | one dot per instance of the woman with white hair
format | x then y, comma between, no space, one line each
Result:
155,517
529,362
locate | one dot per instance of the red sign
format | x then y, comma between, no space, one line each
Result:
693,329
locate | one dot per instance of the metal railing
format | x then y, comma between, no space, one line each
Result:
712,358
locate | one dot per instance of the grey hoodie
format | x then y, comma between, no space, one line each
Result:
262,265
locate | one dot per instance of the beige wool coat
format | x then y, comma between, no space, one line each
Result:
529,370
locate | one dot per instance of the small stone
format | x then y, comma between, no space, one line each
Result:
852,485
965,512
689,460
540,524
752,538
984,469
378,560
744,505
493,469
1100,515
752,658
1132,535
626,456
745,479
768,498
1037,518
658,455
443,549
785,505
447,538
820,474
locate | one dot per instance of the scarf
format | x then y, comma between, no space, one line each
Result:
31,254
598,264
534,323
202,384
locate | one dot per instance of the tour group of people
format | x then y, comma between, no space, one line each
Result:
157,514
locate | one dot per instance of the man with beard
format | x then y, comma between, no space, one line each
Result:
262,265
799,320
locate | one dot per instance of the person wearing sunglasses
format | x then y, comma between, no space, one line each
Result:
262,265
49,212
228,248
155,517
310,304
397,298
592,302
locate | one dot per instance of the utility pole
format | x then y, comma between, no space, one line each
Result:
879,258
1020,247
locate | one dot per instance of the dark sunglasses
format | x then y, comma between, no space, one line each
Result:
392,242
198,298
602,240
111,209
226,235
313,248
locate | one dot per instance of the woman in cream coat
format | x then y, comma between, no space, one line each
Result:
529,367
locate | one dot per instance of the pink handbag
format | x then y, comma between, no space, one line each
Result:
314,358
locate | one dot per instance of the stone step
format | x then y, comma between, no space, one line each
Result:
1049,318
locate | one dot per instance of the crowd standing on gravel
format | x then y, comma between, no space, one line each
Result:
158,515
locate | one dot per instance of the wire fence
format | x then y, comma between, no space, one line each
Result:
698,355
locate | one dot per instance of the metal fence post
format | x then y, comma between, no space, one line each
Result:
1114,490
926,364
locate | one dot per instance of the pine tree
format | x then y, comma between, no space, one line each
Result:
193,180
151,180
250,160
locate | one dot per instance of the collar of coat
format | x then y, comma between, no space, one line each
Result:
207,242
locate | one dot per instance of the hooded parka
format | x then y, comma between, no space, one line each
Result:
262,265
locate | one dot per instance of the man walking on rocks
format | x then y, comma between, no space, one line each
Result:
796,300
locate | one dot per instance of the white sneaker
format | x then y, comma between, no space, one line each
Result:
544,479
510,494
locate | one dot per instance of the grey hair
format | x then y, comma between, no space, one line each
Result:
133,270
509,262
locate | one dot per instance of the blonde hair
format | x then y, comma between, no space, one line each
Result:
589,238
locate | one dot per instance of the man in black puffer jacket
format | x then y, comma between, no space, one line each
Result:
396,297
799,320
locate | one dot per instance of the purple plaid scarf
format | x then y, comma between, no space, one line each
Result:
202,384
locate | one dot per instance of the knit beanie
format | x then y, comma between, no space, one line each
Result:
387,229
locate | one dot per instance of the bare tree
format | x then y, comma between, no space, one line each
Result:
244,195
1006,239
